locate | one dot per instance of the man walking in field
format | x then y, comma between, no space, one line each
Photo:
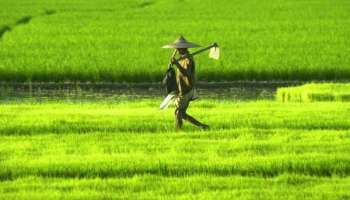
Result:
185,80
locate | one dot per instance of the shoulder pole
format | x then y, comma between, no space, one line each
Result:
172,56
201,50
204,49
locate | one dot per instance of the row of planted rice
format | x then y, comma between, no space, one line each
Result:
315,92
129,150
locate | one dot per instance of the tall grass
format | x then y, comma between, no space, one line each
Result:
130,150
247,152
315,92
145,116
105,40
192,187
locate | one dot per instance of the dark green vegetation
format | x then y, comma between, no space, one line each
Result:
255,150
104,40
315,92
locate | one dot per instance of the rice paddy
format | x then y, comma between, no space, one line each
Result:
89,40
101,145
130,150
315,92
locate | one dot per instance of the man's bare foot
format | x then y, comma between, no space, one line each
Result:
204,127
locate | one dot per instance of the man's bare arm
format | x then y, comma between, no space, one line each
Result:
182,70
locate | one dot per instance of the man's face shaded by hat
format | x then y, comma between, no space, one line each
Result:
182,51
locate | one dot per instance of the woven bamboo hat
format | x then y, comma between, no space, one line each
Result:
181,43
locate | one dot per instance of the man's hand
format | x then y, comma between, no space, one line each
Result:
174,61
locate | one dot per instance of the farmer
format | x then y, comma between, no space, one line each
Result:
185,80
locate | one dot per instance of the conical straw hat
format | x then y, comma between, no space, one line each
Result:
181,43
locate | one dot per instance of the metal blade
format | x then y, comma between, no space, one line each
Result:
214,53
167,101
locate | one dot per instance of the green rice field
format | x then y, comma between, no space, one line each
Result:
119,41
315,92
130,150
80,95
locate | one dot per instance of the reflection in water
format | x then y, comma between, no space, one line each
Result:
116,91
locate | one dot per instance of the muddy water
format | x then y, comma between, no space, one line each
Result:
238,91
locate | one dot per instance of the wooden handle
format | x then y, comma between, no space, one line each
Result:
172,56
200,51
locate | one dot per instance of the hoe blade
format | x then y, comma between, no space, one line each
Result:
214,53
167,101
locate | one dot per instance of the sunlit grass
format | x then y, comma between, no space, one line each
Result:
190,187
250,152
315,92
126,149
145,116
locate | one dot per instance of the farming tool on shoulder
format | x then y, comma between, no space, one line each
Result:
214,52
169,80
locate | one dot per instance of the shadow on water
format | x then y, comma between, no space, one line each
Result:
4,29
145,4
24,20
49,12
237,91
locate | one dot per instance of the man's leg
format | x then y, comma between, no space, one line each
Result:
178,118
192,120
181,105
